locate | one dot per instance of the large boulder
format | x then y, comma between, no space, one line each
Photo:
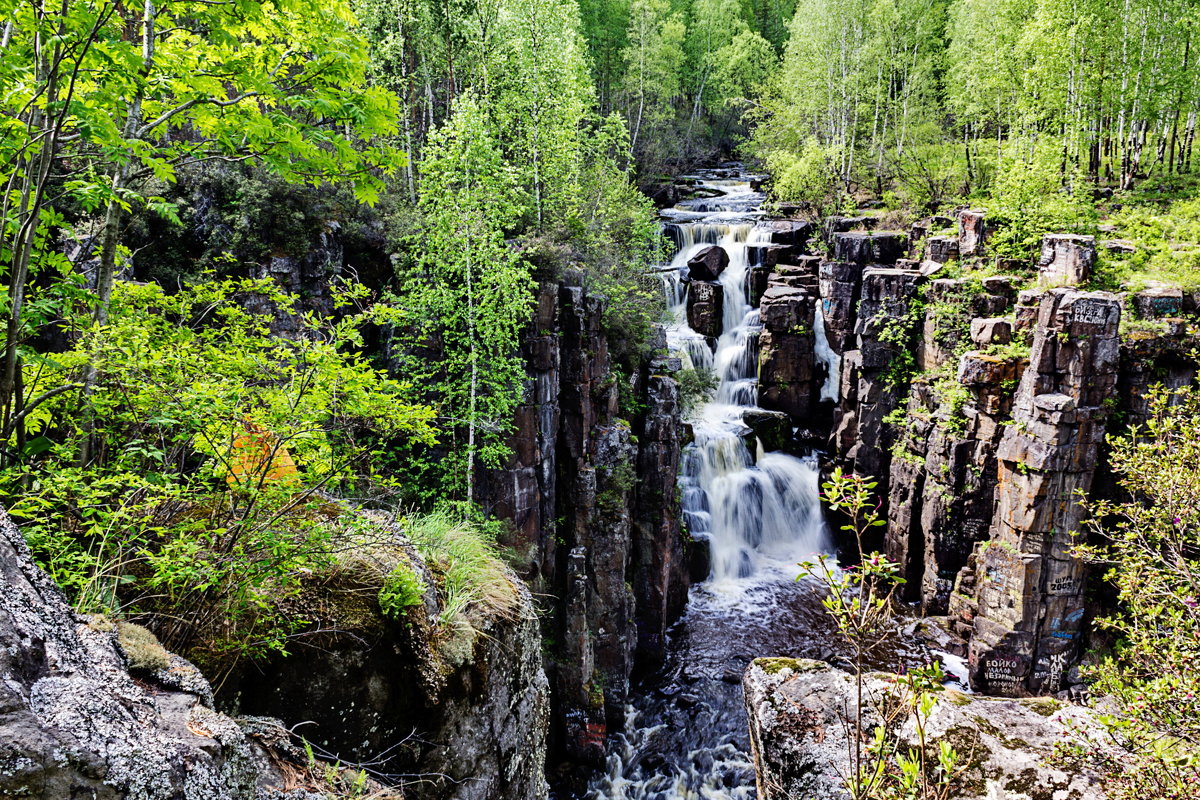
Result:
705,307
708,264
75,723
801,713
1067,259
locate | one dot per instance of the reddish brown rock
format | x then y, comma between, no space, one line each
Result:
785,371
972,231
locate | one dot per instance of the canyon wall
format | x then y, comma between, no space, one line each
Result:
980,402
591,493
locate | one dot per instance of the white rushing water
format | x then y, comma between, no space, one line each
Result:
760,514
756,513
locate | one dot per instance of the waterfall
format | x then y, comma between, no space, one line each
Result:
752,512
686,735
831,389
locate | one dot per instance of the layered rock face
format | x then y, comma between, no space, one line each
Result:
1029,606
981,412
801,718
884,330
786,347
602,546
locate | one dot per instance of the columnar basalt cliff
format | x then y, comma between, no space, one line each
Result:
883,331
591,493
981,410
1029,607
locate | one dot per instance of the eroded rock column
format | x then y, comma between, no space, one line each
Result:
785,373
1028,586
870,374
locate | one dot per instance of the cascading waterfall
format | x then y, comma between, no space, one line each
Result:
760,514
750,510
831,389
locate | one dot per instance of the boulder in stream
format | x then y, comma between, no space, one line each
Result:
708,264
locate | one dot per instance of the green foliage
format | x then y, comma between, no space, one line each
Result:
653,61
1000,100
953,398
1032,199
542,92
211,438
696,387
1149,546
861,602
1167,242
472,581
469,295
896,330
616,238
809,177
401,589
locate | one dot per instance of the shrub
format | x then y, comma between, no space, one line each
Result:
186,482
1030,199
401,590
1151,546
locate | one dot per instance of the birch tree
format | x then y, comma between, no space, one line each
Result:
472,292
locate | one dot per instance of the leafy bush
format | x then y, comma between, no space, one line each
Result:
401,590
1030,199
186,481
1150,545
1167,243
809,177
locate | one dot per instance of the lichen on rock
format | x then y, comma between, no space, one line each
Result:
801,718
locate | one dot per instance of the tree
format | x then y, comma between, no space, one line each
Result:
542,95
653,62
281,84
44,58
472,290
1149,544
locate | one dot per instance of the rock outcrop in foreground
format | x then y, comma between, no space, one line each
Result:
799,735
75,723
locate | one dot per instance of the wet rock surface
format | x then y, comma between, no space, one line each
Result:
708,264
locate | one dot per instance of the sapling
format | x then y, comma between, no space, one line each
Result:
861,601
